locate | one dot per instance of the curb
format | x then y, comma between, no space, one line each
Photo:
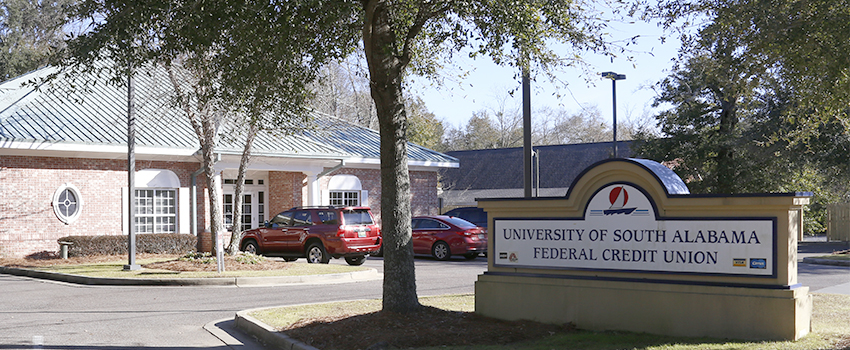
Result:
365,275
826,262
267,334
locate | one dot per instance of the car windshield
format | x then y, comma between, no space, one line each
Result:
460,222
357,217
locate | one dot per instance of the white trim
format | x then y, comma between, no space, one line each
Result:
344,183
57,205
157,178
96,148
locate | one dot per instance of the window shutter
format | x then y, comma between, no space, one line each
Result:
364,198
326,197
125,211
183,214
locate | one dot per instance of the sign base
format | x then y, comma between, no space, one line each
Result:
658,308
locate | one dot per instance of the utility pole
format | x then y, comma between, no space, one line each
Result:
526,131
614,77
131,175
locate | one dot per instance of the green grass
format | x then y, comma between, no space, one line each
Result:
830,323
115,269
841,257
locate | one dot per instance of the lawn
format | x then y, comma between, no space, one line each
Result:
830,323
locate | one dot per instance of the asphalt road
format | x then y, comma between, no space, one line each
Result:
38,314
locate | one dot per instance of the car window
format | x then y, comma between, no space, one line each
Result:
460,222
328,217
302,218
476,216
282,219
414,224
429,224
357,217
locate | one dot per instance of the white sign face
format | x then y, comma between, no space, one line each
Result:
620,232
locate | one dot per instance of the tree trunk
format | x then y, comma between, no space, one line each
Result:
727,175
205,123
236,232
385,82
216,218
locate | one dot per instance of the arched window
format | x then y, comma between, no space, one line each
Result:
67,203
156,201
346,191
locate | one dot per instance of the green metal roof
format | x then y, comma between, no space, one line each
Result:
88,110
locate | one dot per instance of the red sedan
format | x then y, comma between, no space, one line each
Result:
443,236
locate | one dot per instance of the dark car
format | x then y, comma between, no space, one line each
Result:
318,234
474,215
443,236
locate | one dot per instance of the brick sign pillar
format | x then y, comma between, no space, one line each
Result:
629,248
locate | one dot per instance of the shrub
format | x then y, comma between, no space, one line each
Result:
160,243
248,258
204,258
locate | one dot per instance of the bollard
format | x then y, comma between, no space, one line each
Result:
63,249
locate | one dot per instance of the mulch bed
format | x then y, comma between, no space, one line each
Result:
426,327
230,264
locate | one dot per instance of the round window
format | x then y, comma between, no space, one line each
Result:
67,203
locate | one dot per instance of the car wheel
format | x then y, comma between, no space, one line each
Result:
355,260
251,247
470,256
441,251
316,254
289,259
380,252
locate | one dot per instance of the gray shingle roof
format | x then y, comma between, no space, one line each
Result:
502,168
97,115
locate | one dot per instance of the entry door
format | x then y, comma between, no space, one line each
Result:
253,209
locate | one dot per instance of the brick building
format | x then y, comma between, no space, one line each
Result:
63,165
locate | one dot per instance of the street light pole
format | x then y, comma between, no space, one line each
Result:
614,77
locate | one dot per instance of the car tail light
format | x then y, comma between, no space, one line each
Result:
341,231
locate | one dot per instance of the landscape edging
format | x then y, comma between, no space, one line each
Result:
213,281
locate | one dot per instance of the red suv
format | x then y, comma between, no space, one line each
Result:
317,233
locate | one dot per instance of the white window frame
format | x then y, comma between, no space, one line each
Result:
156,207
59,203
344,198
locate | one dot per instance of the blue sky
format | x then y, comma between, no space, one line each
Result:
456,100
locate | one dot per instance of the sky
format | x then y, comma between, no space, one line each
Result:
487,83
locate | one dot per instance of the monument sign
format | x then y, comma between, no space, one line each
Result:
629,248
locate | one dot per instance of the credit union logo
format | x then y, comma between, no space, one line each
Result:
618,204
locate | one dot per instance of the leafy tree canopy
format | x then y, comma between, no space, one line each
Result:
806,44
254,56
30,31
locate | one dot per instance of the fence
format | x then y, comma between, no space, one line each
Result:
838,222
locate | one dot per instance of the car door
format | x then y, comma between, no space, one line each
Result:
425,232
294,237
416,237
274,236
